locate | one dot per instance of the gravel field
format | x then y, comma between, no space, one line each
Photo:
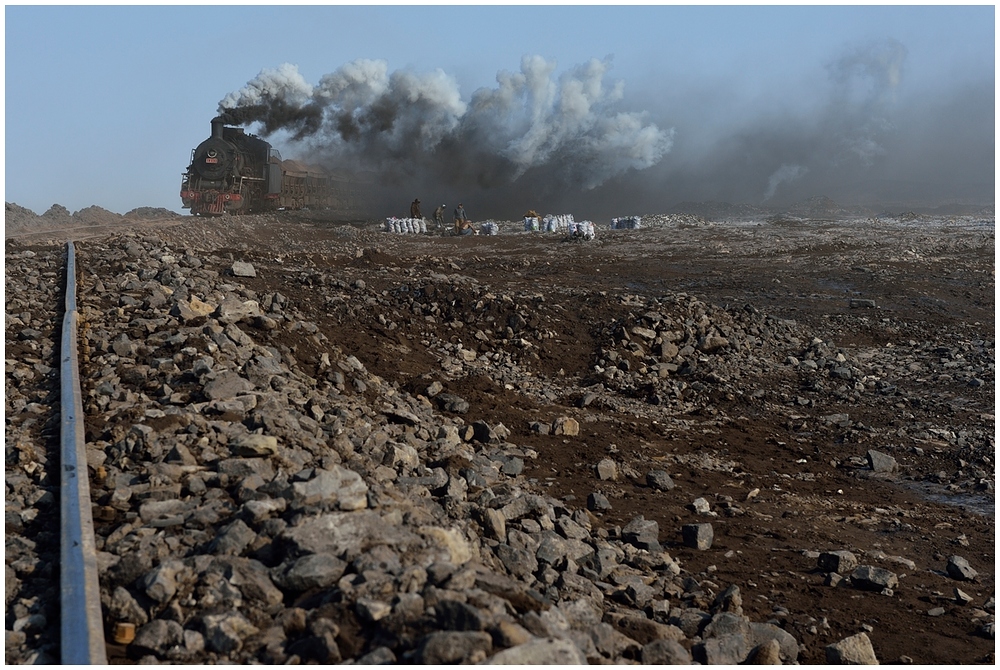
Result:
713,438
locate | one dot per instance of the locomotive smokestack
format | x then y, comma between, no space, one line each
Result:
217,124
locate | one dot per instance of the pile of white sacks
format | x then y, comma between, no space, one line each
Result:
404,226
626,222
489,228
553,223
581,229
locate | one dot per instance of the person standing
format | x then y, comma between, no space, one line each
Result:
439,217
460,217
415,210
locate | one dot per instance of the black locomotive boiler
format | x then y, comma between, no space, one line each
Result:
236,172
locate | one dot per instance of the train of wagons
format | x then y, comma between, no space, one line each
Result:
235,172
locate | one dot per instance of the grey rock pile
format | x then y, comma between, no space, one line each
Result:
262,497
31,478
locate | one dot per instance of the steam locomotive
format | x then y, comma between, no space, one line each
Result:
236,172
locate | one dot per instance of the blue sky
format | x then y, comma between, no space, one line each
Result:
104,104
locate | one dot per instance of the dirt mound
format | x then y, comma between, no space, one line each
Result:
95,216
149,213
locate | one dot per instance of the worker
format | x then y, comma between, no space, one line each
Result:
439,217
415,210
460,218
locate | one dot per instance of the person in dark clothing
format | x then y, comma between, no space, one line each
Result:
460,217
415,210
439,217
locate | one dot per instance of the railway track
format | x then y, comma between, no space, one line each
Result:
82,628
57,465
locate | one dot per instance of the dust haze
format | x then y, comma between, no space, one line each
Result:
582,140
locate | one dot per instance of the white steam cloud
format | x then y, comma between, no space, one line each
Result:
783,174
565,129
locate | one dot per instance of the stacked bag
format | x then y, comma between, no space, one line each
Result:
581,229
489,228
626,222
556,222
404,226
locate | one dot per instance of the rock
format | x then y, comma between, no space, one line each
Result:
519,562
565,425
465,647
701,506
598,502
861,303
642,534
189,310
494,523
255,445
959,568
336,485
370,611
872,578
787,644
935,612
607,470
606,641
227,385
158,636
711,343
766,653
729,600
698,535
232,310
344,533
457,615
224,633
234,539
314,571
448,402
729,649
841,562
160,584
854,650
880,462
449,542
378,656
641,629
540,652
243,269
253,580
665,652
659,480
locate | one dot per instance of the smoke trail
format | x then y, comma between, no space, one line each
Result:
278,99
566,129
784,173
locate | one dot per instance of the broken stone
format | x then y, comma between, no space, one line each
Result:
698,535
853,650
959,568
880,462
659,480
871,578
841,562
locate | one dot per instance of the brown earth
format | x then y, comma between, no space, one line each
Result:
783,483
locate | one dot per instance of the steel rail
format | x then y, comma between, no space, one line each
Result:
82,628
